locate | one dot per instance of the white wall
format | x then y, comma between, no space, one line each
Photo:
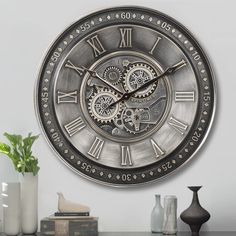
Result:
26,30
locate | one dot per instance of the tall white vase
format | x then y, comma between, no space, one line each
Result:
29,203
11,208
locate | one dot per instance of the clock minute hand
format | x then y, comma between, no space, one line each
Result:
168,71
94,74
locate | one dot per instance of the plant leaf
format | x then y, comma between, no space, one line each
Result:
5,149
28,142
13,138
20,153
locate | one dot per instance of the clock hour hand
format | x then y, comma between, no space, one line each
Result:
170,70
94,74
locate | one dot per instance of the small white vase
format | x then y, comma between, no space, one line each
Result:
29,203
157,216
11,208
170,215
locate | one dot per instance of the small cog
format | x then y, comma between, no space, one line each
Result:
99,105
138,74
133,120
113,75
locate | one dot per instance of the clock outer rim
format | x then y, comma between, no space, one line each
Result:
63,32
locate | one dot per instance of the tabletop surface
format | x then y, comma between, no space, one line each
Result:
219,233
213,233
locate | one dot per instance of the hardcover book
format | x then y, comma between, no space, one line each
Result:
71,214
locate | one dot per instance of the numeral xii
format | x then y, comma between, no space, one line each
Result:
126,38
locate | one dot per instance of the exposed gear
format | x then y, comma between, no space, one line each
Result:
113,75
133,120
99,105
89,91
136,75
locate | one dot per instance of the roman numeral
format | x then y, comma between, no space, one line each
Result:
158,151
155,45
96,148
126,37
75,126
184,96
96,45
70,97
78,69
126,156
177,125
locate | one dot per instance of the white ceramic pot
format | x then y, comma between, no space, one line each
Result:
11,208
29,203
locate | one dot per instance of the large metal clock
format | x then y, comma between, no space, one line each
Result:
125,96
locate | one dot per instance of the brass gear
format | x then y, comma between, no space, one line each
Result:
113,75
137,74
98,105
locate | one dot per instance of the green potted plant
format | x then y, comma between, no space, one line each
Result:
19,151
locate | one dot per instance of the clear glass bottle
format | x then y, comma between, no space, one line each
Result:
157,216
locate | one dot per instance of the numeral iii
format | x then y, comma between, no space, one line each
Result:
184,96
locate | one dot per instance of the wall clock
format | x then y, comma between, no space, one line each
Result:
125,96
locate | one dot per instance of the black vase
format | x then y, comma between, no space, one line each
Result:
195,215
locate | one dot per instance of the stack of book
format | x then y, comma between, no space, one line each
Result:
69,224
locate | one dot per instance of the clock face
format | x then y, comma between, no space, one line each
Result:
125,96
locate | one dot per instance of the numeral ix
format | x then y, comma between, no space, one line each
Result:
70,97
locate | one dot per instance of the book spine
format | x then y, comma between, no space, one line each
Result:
47,227
69,227
83,229
71,214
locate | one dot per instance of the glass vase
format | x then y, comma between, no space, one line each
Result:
157,215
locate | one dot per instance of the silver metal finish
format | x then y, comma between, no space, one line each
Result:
82,105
